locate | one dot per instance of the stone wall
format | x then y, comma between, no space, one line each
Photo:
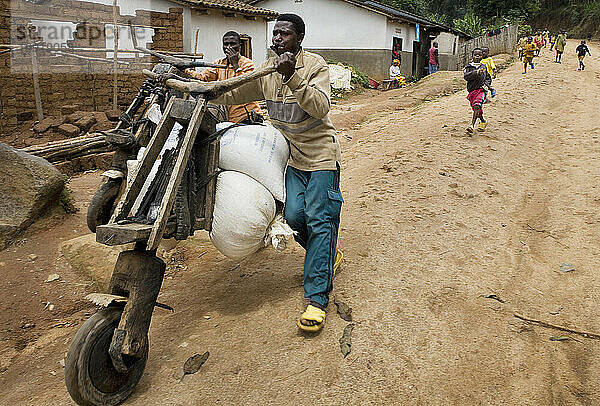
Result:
503,43
65,80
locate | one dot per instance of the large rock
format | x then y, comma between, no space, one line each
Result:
114,115
94,261
69,130
86,122
43,125
28,185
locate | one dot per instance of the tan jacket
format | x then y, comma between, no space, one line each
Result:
235,114
299,109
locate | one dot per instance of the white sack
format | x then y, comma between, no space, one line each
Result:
259,151
340,77
243,211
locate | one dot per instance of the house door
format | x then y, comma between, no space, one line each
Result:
246,48
397,49
415,59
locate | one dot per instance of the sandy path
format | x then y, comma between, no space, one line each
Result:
433,222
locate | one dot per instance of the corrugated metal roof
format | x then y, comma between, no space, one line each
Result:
230,5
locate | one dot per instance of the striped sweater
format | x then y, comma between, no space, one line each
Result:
299,109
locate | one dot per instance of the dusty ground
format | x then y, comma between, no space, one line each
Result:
433,222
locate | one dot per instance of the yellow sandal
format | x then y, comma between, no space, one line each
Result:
482,127
315,315
339,257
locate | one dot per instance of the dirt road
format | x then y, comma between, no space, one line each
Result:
434,221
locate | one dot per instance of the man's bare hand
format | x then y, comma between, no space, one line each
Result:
286,64
233,58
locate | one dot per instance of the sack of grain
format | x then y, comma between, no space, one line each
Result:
243,211
259,151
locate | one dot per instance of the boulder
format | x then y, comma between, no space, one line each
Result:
69,130
86,122
74,117
114,115
44,125
94,261
28,185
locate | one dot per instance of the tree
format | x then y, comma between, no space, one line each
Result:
469,24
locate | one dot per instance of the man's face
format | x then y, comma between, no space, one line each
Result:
231,43
477,56
285,38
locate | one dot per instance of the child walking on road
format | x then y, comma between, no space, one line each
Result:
491,67
477,76
581,51
528,54
561,42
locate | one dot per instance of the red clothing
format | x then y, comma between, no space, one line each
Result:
476,97
433,59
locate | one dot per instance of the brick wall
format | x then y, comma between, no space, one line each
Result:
65,80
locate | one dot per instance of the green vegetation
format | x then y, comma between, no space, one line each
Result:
67,201
580,17
469,24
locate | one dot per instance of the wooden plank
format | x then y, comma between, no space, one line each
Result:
152,151
140,135
115,61
209,124
176,176
36,85
182,110
120,234
115,234
205,167
209,203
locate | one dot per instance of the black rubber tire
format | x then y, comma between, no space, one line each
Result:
90,376
102,204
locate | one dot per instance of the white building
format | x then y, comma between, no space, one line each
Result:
205,22
363,33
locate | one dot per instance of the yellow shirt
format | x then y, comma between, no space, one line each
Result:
529,50
489,63
237,113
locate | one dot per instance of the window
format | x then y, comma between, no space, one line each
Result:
246,48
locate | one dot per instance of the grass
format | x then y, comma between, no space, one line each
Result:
66,200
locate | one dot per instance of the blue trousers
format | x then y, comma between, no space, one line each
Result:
312,209
433,68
